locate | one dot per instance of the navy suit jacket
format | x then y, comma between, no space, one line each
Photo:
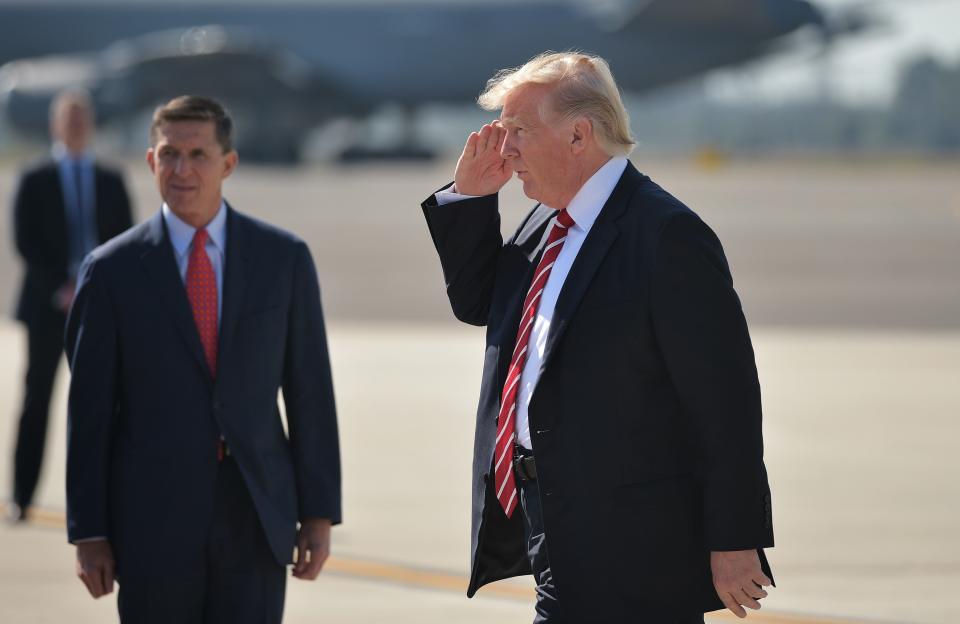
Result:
40,230
145,415
646,418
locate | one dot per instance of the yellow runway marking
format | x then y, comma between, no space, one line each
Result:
379,571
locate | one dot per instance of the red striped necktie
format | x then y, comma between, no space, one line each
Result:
202,293
506,426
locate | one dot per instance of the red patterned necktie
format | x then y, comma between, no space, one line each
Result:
506,426
202,293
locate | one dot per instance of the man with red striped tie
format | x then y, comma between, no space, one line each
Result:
618,453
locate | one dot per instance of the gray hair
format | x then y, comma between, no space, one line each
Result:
584,88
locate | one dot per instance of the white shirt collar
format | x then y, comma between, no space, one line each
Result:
181,232
586,205
60,153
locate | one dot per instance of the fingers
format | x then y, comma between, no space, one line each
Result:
300,565
484,141
489,138
311,562
95,568
501,137
742,598
755,591
85,579
108,577
318,556
92,577
733,605
470,149
762,580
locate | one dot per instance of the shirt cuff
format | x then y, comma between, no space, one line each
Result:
90,539
449,196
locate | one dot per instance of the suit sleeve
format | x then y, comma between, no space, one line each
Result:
467,237
91,345
703,337
28,229
308,398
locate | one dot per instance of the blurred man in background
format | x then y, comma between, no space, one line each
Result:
618,452
64,206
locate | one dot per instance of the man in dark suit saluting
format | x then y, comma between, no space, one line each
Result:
181,480
618,453
64,207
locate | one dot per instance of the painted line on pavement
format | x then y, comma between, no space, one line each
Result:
412,576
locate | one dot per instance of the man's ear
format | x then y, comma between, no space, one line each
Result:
151,160
581,135
230,161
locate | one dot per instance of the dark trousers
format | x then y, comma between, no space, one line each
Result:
238,582
549,603
44,348
547,606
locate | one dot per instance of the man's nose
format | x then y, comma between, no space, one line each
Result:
180,166
507,150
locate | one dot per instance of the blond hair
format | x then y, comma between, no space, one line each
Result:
584,87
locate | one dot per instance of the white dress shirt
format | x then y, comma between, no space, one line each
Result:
584,209
181,235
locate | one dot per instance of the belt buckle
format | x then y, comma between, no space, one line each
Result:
517,461
520,467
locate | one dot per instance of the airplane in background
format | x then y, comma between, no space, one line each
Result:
285,68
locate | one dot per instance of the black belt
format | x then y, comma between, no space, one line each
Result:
524,466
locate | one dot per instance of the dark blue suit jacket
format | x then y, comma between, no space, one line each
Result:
41,233
646,419
145,415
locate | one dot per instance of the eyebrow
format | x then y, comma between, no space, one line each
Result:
513,121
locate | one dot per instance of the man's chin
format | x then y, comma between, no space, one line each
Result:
180,207
531,191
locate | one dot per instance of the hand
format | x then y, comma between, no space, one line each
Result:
739,580
313,548
95,566
63,297
481,170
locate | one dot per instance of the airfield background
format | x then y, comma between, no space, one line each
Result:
830,174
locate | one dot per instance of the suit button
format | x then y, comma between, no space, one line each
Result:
217,405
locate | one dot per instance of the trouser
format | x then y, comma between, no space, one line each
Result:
238,582
44,347
548,607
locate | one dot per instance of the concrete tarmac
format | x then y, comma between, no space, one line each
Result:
810,242
849,275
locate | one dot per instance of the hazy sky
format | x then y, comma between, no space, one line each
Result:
862,68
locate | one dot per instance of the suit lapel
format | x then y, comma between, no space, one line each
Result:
234,281
595,248
161,265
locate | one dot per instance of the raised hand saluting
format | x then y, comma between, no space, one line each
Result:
481,169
